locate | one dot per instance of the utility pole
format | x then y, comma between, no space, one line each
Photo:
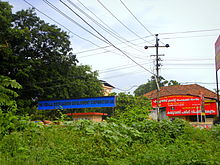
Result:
157,71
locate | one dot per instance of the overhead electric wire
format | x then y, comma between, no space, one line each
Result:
191,64
136,18
125,90
103,22
106,38
190,68
191,31
56,9
110,51
119,20
109,29
94,49
66,16
199,82
116,36
120,75
139,20
140,56
121,68
165,38
99,47
62,25
192,59
139,71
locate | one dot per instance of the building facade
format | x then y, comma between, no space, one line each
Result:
93,116
107,88
193,103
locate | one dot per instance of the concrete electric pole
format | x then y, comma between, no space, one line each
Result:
157,70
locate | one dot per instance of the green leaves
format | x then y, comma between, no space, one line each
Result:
6,94
9,121
40,58
131,108
87,142
151,85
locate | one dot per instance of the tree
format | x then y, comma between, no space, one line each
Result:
7,95
151,85
9,121
40,58
131,108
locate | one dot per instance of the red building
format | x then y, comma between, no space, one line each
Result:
193,103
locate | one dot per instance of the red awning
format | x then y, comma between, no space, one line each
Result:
87,113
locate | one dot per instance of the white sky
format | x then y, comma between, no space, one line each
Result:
189,59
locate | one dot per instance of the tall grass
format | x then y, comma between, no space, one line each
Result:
85,142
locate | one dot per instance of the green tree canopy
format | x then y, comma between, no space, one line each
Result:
151,85
131,108
39,57
7,95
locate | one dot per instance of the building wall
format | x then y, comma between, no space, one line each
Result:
88,117
186,107
107,90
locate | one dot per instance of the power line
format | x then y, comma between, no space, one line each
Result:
121,75
189,36
131,66
193,64
112,32
108,51
121,68
199,82
85,51
136,18
190,59
66,16
106,38
190,68
56,9
99,47
162,38
192,31
119,20
126,66
101,26
62,25
133,86
136,72
125,90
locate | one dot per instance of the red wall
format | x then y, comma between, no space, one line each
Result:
183,105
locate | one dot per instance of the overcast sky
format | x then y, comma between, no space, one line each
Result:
190,27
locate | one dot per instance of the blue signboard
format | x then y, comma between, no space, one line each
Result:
108,101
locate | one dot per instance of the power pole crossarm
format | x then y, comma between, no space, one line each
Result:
157,70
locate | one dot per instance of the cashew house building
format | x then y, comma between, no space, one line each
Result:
193,103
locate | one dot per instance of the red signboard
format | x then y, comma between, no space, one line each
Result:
217,54
178,100
182,105
210,109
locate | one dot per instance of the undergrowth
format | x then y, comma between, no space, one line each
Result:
86,142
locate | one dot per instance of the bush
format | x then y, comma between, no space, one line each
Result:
86,142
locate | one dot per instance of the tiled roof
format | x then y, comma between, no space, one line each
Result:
106,84
193,89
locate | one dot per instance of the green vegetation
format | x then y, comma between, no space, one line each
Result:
131,108
39,57
9,121
151,85
36,63
85,142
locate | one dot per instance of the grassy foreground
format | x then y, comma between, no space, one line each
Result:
85,142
